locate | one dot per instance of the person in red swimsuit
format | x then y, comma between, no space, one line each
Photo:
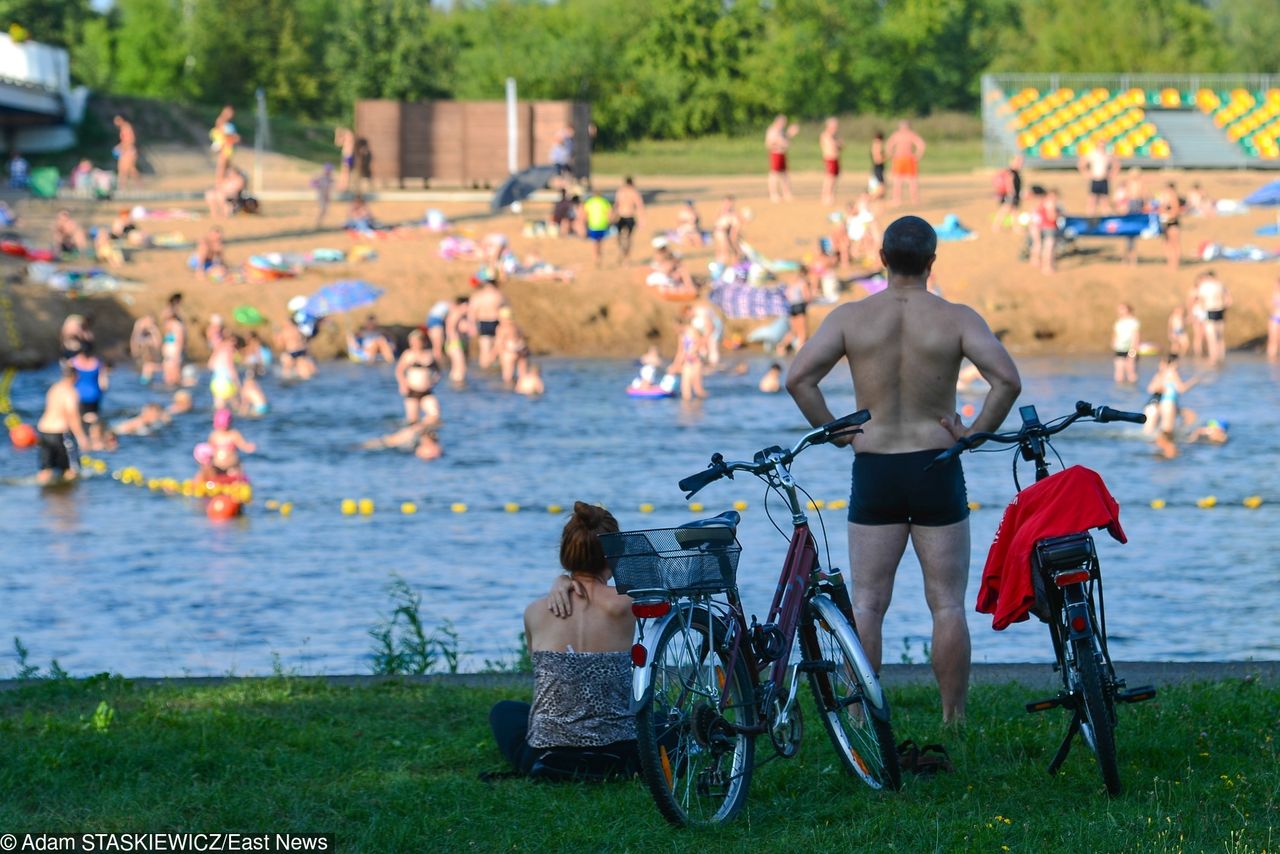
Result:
829,142
777,140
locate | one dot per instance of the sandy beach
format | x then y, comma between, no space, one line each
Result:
609,311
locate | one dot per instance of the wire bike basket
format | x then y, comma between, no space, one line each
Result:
676,560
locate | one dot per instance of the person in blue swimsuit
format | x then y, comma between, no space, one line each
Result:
91,383
1169,385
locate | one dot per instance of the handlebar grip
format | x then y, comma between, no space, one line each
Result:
695,482
853,419
948,455
1106,413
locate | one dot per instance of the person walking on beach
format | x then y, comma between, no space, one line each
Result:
1100,167
126,153
599,216
1125,340
876,185
1215,299
223,139
904,347
61,417
726,232
345,140
777,139
904,149
1170,207
829,142
628,210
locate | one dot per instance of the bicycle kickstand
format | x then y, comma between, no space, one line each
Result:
1061,757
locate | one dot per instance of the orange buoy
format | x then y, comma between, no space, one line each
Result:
967,410
22,435
222,507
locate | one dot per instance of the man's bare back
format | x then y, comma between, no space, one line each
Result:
486,303
628,201
904,347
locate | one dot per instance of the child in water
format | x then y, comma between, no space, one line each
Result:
253,400
227,444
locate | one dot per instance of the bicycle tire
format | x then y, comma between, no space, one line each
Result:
868,752
1098,721
697,768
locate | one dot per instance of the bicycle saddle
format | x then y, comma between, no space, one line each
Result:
717,530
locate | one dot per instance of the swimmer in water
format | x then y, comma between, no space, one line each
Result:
1170,387
224,385
421,437
295,360
253,400
771,382
151,418
227,444
1214,432
181,403
530,382
416,375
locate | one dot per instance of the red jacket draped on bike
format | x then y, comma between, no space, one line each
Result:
1072,500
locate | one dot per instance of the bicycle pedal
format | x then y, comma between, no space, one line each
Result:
1057,702
818,666
1136,695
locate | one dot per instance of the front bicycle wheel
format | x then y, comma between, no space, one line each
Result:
850,700
694,757
1098,723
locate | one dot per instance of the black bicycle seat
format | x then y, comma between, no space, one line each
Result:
717,530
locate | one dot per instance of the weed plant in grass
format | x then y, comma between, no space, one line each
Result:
393,767
954,143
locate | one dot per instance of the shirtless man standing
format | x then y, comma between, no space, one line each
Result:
1214,299
295,359
829,142
486,303
777,139
628,210
904,148
905,347
126,152
1099,167
61,416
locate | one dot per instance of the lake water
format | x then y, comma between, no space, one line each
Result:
104,576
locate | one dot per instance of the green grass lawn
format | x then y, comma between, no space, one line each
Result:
393,767
954,145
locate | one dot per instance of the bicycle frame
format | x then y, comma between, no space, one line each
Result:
800,578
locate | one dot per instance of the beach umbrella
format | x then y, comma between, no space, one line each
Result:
1268,194
337,297
520,185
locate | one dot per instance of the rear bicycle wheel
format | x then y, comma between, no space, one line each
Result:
851,703
1098,723
695,761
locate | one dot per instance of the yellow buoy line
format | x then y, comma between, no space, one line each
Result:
366,506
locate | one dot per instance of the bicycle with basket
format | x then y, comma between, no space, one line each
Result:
706,682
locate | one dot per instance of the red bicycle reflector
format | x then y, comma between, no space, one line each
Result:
646,610
639,655
1077,624
1078,576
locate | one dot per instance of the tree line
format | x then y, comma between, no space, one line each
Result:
650,68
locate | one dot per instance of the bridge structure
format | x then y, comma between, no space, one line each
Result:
39,108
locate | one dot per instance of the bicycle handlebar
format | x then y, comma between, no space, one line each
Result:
1084,409
720,467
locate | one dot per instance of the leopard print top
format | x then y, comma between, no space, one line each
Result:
580,699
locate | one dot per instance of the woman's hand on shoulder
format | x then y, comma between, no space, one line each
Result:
560,597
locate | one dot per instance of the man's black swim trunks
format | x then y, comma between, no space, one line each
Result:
894,489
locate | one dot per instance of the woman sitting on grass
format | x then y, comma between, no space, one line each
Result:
579,637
